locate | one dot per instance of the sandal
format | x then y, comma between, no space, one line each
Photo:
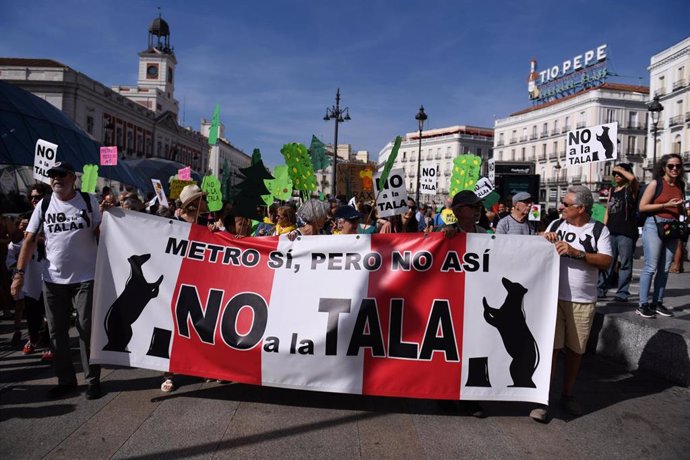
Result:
167,386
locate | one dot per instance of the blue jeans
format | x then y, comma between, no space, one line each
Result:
621,246
658,256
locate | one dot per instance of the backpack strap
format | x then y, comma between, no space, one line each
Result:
44,208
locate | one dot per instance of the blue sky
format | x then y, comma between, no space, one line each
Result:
274,66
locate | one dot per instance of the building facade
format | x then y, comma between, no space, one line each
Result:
669,77
140,120
438,149
539,135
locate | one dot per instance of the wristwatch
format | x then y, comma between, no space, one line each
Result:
17,271
580,255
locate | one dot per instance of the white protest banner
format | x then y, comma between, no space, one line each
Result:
591,145
340,313
45,157
160,194
491,170
427,182
535,213
393,197
109,156
483,187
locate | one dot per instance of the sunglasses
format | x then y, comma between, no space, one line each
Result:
36,197
59,174
673,166
568,205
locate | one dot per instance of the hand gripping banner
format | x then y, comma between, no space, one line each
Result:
407,315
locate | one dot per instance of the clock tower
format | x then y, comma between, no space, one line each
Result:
157,70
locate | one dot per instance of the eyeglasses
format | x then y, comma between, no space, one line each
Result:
60,174
568,205
673,166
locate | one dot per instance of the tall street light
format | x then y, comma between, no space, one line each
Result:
421,118
339,115
655,108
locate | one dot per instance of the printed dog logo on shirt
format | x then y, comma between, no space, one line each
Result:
517,338
129,305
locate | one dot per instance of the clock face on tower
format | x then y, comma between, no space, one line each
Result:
152,71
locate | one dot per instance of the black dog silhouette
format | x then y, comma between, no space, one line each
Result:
606,142
517,338
129,305
587,244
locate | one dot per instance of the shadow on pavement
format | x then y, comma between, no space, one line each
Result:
55,410
220,446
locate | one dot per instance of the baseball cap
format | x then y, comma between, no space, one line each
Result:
347,213
61,167
521,196
465,197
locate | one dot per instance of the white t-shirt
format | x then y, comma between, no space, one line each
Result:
578,279
70,241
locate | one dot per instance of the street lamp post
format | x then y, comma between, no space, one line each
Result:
339,115
421,118
655,108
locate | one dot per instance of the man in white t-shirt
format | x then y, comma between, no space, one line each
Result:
71,226
585,249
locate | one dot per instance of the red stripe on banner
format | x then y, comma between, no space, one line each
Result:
437,376
223,336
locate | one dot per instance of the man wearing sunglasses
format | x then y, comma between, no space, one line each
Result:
583,253
71,229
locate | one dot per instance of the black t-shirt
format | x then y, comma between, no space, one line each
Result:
622,220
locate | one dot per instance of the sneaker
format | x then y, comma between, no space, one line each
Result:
16,338
571,405
620,299
29,348
60,391
540,414
93,391
661,310
47,355
645,311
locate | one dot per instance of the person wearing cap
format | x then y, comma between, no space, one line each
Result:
313,214
621,220
71,228
348,219
467,207
517,223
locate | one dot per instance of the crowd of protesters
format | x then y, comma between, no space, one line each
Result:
587,270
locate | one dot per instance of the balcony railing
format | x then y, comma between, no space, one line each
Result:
633,152
555,132
544,134
541,158
675,121
636,126
678,84
687,116
513,140
533,136
581,124
561,154
500,143
565,129
404,160
523,138
553,156
438,156
660,92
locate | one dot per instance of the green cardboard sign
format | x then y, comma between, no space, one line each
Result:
89,178
214,197
598,212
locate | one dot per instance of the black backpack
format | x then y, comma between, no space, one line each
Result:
46,202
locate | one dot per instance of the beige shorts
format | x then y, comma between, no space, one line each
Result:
573,324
